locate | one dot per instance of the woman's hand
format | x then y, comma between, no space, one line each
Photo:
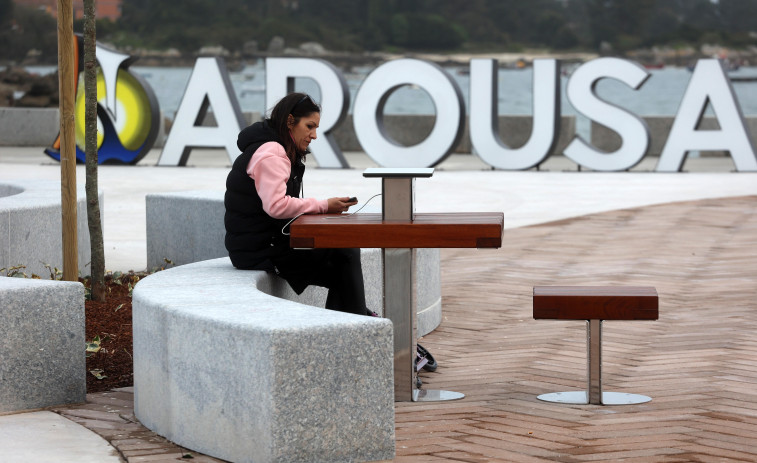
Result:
338,205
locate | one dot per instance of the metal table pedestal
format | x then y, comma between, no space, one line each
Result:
399,285
399,232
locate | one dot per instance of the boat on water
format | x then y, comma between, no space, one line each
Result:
743,78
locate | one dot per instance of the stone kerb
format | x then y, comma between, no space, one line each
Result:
42,341
187,227
38,126
28,126
608,140
32,127
30,226
226,366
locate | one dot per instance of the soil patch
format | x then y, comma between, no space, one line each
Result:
112,365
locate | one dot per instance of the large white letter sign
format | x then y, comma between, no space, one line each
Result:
484,120
335,100
632,129
209,85
709,82
369,108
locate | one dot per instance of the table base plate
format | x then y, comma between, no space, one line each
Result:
433,395
581,398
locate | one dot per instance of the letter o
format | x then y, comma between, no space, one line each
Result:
369,107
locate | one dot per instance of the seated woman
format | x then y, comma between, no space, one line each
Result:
263,196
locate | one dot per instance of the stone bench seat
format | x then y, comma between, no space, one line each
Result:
233,364
42,361
201,233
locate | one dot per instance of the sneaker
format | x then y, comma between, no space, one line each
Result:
420,361
371,313
430,361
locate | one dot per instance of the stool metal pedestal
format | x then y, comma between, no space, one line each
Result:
595,304
593,393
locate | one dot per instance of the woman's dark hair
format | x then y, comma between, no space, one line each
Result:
299,105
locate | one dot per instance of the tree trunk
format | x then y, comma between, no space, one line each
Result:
97,264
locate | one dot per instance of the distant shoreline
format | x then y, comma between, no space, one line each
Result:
342,59
346,61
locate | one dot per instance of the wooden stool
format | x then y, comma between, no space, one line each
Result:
595,304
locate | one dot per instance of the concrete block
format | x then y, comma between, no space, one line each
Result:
223,365
515,131
41,344
32,236
428,277
4,231
373,279
659,128
28,126
408,130
38,127
412,129
345,135
184,227
29,236
249,118
6,190
608,140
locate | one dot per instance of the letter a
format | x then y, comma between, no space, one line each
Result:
708,83
335,100
209,85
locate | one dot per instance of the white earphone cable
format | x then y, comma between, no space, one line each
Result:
351,213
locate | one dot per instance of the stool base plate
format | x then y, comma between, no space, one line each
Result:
433,395
582,398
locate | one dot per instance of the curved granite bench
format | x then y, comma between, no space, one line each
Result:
30,226
42,342
201,236
233,364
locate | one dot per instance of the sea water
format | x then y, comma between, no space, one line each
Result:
660,95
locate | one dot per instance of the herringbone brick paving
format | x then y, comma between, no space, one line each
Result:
698,362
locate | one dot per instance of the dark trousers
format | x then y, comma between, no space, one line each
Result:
339,270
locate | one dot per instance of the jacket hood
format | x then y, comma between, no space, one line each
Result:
256,133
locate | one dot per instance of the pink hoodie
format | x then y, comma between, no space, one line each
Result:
270,168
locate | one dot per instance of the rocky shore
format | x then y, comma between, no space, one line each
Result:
21,88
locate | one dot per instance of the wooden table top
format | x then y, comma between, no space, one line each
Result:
427,230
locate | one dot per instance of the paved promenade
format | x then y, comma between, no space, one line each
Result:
461,183
693,236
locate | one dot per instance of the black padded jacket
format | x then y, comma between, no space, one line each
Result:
253,237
